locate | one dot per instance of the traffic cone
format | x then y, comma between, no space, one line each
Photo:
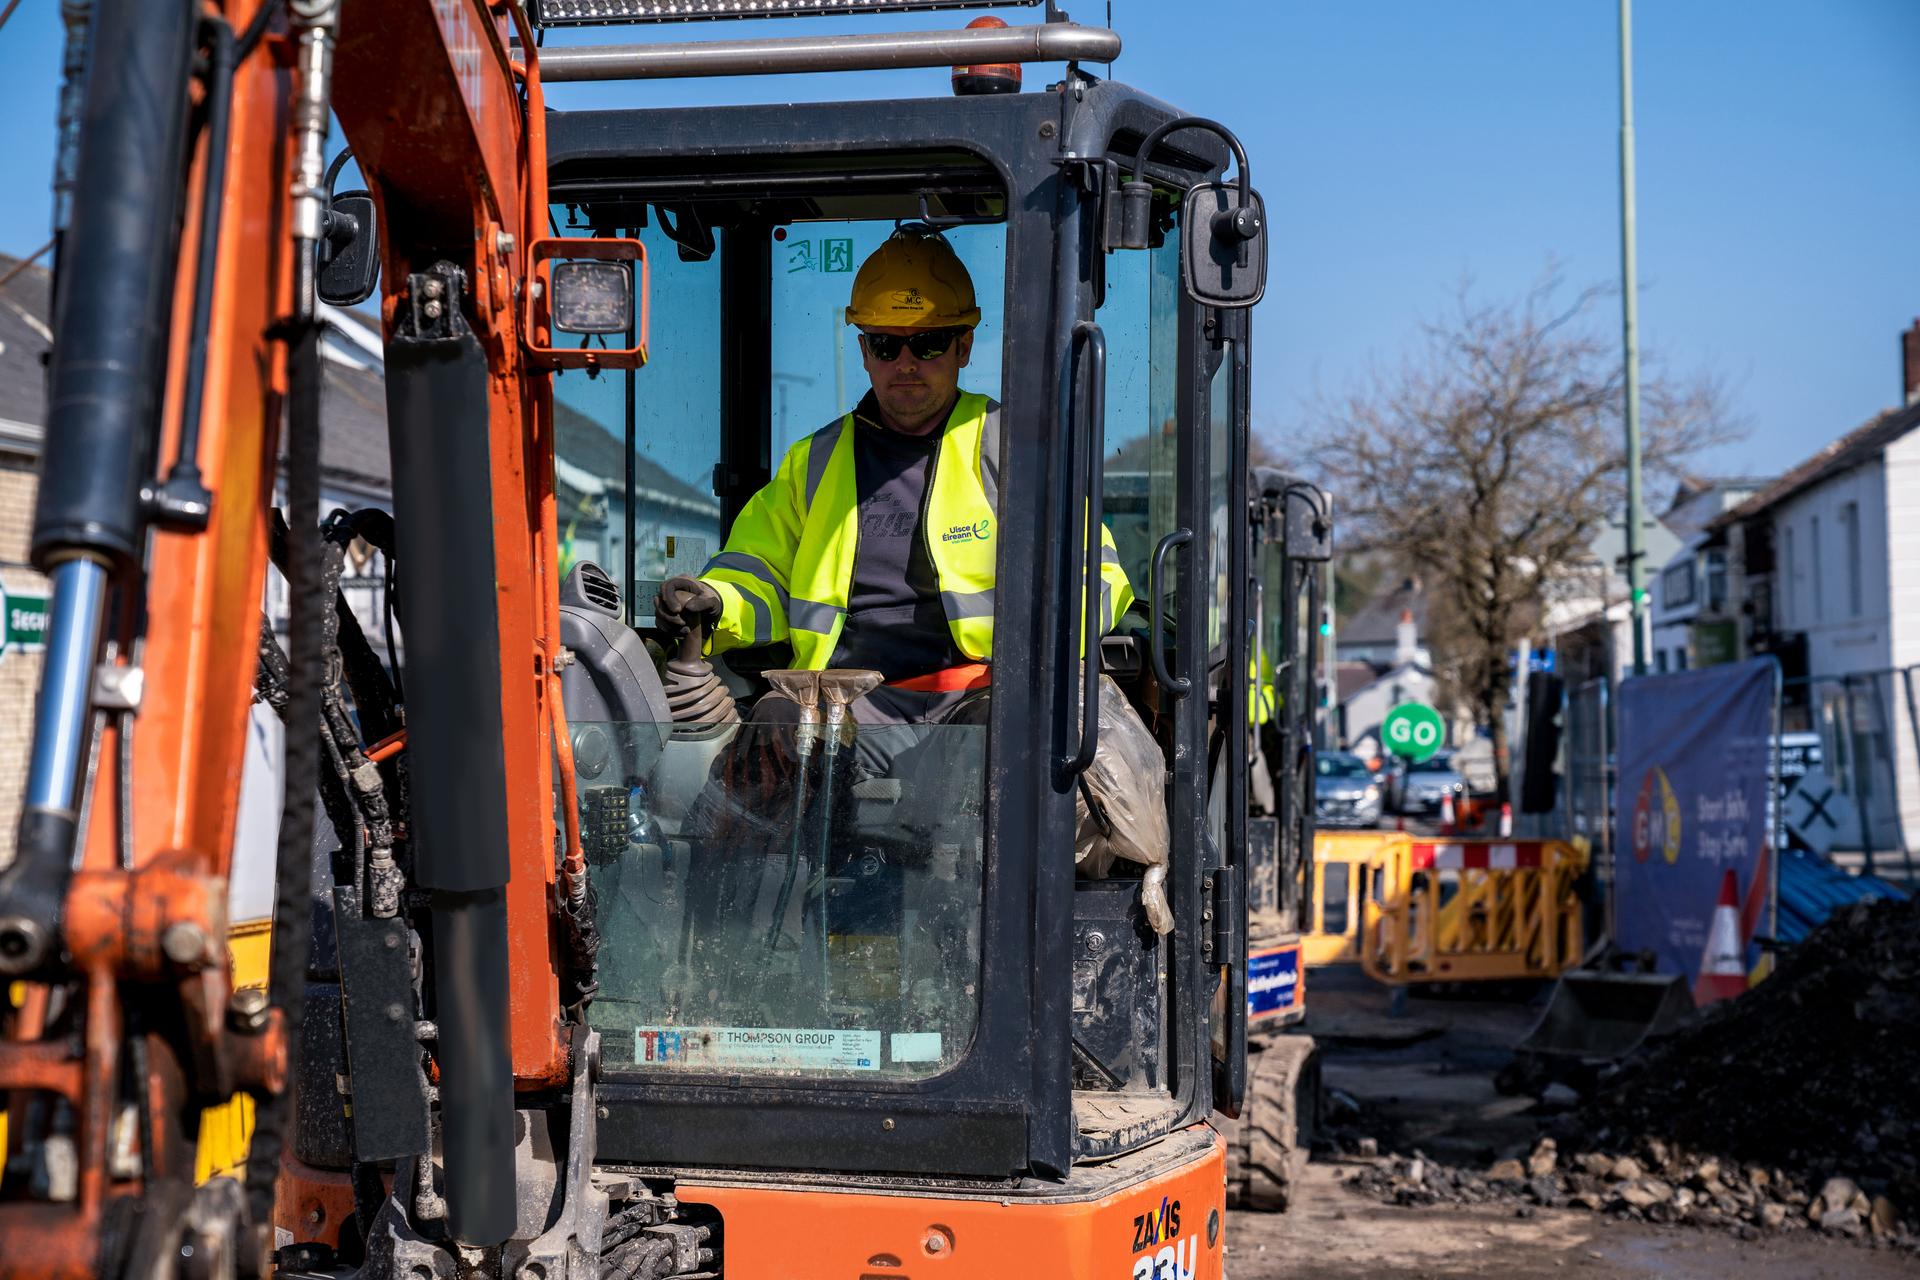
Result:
1506,821
1723,966
1446,813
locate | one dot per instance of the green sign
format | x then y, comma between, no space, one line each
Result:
834,255
26,621
1413,730
1715,642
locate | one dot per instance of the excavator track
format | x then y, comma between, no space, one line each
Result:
1269,1142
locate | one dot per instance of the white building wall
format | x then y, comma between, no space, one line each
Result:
1814,573
1673,624
1902,500
1816,594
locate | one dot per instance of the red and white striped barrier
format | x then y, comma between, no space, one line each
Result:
1499,855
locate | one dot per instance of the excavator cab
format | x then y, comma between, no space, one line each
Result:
1292,531
1292,523
892,979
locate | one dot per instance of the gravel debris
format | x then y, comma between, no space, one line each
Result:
1792,1108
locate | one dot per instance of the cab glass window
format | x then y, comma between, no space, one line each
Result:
771,903
772,899
1219,449
1141,317
672,524
817,374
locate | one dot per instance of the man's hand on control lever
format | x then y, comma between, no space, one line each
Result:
684,601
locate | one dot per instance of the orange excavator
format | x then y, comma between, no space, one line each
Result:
586,975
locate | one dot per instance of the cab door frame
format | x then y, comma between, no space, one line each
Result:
1105,126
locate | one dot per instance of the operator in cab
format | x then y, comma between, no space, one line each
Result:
874,544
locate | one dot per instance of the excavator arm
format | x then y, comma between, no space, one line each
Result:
185,356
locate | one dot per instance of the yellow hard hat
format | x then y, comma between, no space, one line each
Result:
913,281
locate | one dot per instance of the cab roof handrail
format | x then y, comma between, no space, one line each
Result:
1046,42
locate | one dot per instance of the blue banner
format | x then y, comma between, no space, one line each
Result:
1273,981
1695,753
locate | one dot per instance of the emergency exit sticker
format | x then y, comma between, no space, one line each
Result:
777,1048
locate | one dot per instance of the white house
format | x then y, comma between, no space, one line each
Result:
1383,661
1825,566
1690,589
1587,621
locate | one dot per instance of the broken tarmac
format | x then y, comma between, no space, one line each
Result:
1402,1091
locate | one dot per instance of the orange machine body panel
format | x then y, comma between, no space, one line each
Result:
191,736
207,587
456,176
1169,1224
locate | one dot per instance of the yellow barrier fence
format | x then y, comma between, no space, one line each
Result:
1473,910
1349,867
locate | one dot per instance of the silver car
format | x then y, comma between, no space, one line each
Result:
1421,788
1344,792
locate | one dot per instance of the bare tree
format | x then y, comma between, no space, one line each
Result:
1492,458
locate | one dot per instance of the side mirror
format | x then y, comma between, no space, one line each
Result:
1309,525
1223,247
350,252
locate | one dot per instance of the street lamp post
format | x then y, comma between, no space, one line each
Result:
1630,325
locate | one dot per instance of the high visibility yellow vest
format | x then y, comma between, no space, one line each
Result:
787,568
1263,701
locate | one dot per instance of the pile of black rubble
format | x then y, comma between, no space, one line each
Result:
1794,1107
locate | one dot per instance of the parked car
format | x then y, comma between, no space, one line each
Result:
1345,794
1420,788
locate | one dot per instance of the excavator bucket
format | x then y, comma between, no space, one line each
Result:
1600,1018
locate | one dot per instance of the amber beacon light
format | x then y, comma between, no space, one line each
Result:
986,77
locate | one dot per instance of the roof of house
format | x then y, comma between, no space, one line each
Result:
592,452
1860,445
1351,677
1377,622
1691,485
353,426
353,399
24,338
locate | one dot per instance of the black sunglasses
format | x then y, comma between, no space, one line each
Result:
931,345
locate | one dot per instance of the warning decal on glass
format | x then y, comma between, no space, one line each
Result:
778,1048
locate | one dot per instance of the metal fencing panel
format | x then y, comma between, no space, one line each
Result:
1588,770
1867,725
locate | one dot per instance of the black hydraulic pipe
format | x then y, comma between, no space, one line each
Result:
476,1072
116,295
437,407
184,501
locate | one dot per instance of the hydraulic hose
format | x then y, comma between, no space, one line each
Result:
314,25
293,860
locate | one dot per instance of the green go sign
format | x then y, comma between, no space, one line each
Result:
1414,731
25,619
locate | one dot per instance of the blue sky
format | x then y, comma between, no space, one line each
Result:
1404,145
